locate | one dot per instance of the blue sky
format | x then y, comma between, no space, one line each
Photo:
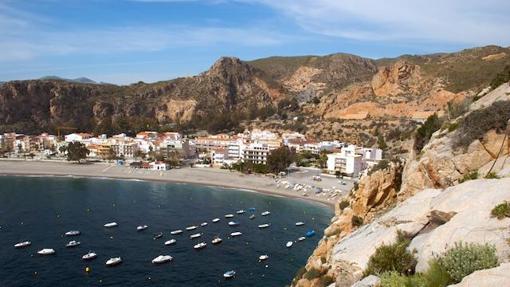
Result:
124,41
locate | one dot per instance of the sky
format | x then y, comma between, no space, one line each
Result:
126,41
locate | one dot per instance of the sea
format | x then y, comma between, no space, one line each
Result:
42,209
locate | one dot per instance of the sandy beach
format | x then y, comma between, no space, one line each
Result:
204,176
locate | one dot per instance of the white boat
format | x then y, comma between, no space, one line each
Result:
73,243
229,274
46,251
162,259
240,211
263,257
178,231
215,220
196,235
193,227
203,224
170,242
289,244
113,261
111,224
22,244
300,223
89,256
72,233
216,240
234,234
233,223
158,235
229,215
265,213
265,225
252,216
301,238
200,245
141,227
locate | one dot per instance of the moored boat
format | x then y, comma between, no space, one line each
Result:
252,209
301,238
73,243
300,223
141,227
162,259
263,257
240,211
216,240
265,225
192,227
234,234
229,215
200,245
72,233
175,232
203,224
310,233
252,216
229,274
22,244
89,256
265,213
233,223
111,224
196,235
170,242
215,220
158,235
289,244
113,261
46,251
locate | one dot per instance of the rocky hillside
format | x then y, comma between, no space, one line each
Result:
443,194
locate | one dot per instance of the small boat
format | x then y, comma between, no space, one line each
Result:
234,234
240,211
111,224
113,261
252,209
252,216
289,244
215,220
141,227
178,231
162,259
265,225
22,244
263,257
196,235
229,215
158,235
170,242
72,233
300,223
200,245
193,227
89,256
229,274
216,240
233,223
46,251
203,224
265,213
73,243
301,238
310,233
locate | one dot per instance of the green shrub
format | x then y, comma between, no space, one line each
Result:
475,125
492,175
501,210
312,274
382,164
343,204
437,276
356,221
464,259
469,176
392,257
424,133
502,77
395,279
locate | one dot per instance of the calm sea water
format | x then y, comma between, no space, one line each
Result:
43,209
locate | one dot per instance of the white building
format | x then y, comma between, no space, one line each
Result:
159,165
77,137
256,153
349,164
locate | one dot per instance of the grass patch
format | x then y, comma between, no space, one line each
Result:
492,175
424,133
343,204
356,221
381,165
501,210
469,176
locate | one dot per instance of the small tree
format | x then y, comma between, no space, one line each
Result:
280,159
76,151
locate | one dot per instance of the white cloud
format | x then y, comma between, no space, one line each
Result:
469,22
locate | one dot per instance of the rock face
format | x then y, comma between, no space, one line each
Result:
498,276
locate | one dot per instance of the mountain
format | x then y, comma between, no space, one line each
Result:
335,96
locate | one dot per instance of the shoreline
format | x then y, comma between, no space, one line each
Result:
200,176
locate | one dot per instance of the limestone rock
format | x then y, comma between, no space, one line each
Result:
498,276
369,281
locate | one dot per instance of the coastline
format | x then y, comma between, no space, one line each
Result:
201,176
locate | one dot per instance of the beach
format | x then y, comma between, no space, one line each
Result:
204,176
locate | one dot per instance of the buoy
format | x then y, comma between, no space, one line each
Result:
87,269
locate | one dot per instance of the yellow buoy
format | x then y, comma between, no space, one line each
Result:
87,269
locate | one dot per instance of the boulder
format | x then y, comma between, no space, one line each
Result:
498,276
369,281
